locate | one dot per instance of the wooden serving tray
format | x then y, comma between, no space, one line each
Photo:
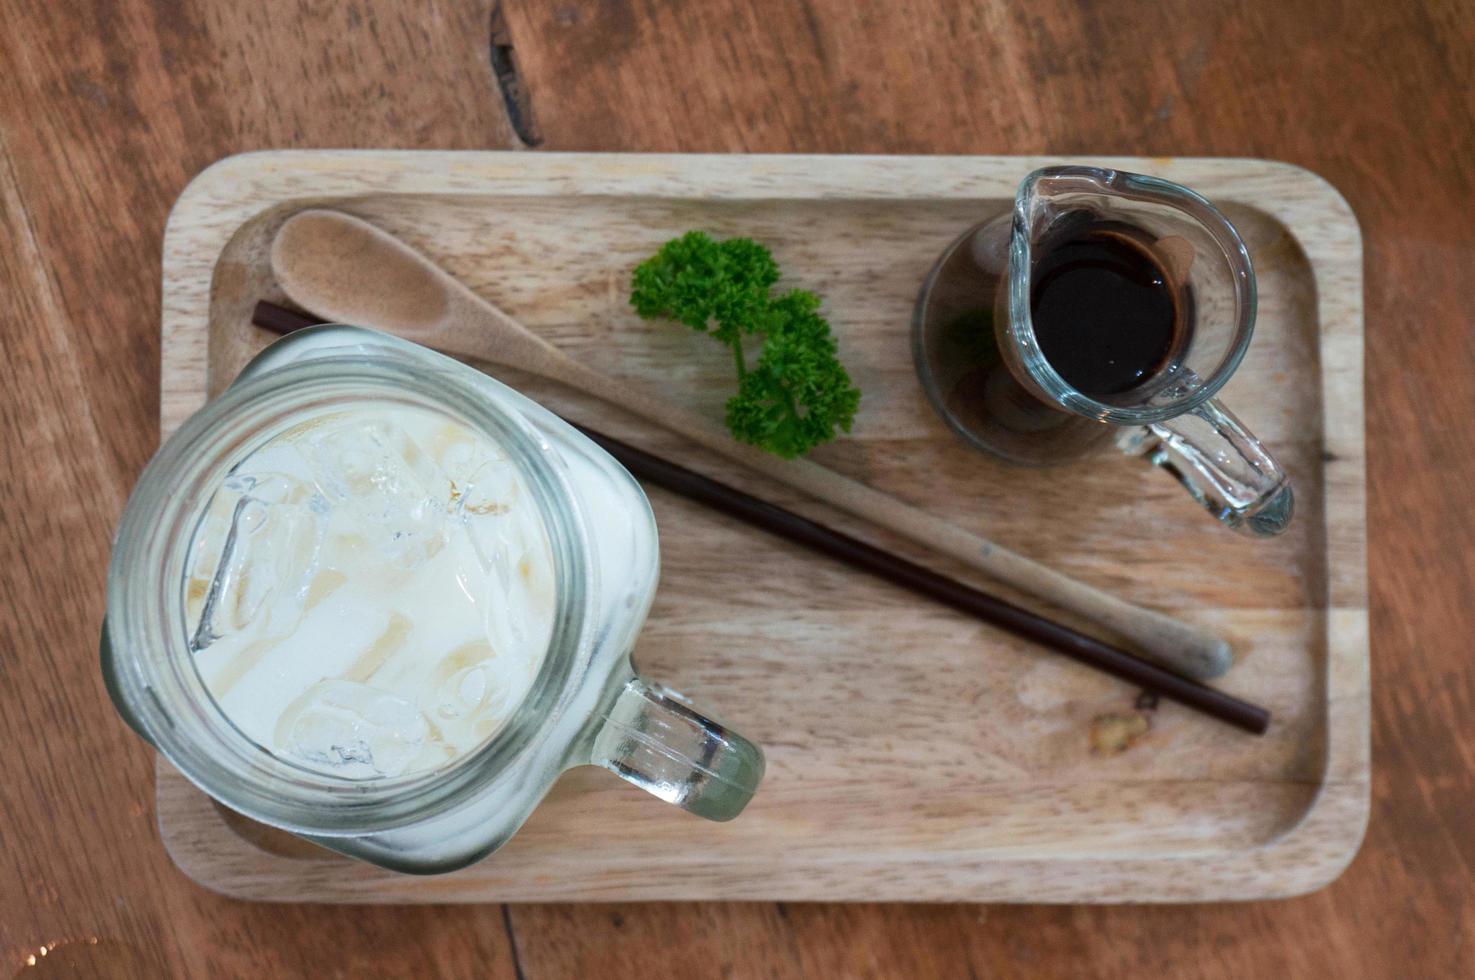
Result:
913,754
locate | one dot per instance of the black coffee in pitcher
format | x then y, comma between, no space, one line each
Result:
1106,312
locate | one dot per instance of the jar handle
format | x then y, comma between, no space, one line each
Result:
653,738
1221,464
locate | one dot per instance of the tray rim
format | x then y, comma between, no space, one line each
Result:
1306,856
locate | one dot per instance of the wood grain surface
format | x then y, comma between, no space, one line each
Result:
912,754
108,108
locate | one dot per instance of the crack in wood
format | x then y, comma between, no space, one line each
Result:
515,97
512,941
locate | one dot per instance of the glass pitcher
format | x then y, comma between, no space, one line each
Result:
585,706
983,368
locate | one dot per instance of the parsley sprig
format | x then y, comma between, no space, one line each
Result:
795,393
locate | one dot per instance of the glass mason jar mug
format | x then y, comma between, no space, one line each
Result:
356,762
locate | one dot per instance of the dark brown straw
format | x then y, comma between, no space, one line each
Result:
893,568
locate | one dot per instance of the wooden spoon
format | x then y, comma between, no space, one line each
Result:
345,269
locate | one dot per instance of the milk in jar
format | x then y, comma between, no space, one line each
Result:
371,593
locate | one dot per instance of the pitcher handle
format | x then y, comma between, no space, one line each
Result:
1221,465
653,738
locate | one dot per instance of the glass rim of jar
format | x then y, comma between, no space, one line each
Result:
1021,323
147,623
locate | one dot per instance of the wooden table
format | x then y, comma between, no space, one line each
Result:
107,109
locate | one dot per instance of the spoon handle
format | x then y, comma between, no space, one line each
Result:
1179,646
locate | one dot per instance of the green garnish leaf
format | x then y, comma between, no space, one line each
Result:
796,393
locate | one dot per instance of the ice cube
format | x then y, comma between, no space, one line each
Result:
497,530
379,480
472,690
258,549
482,479
354,730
